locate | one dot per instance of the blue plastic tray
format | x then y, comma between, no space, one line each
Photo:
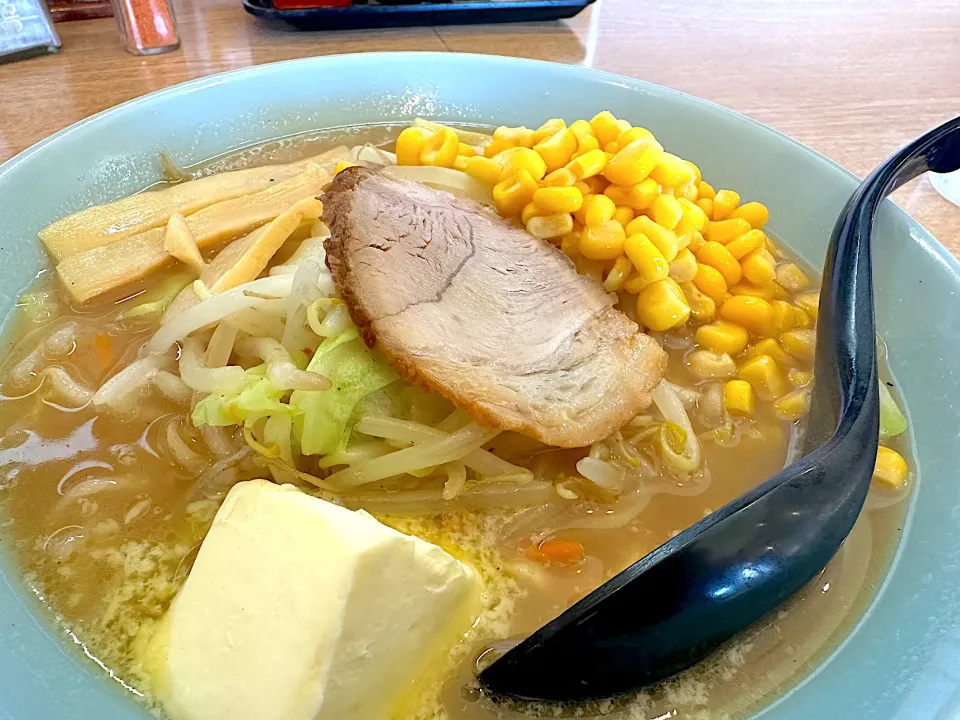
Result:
452,12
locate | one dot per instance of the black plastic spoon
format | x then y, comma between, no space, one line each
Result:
670,609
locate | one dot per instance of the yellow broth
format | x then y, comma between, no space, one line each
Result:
107,565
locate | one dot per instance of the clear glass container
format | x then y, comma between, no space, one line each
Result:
148,27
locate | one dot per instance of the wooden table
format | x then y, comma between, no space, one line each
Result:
853,79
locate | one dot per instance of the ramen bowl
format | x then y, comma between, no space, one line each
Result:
896,657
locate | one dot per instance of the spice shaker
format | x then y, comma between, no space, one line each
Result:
148,27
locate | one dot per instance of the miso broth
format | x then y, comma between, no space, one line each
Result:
106,513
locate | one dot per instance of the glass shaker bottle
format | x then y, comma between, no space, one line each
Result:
148,27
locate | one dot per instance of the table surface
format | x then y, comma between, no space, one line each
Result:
854,79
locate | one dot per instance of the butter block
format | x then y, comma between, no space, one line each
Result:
298,609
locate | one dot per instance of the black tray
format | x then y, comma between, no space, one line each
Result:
457,12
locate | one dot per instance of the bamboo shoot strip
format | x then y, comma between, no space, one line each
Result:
103,269
103,225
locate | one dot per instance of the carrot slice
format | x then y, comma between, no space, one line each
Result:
558,550
103,346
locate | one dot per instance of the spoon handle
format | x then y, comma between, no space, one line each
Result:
846,328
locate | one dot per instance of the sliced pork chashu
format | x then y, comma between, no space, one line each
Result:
464,303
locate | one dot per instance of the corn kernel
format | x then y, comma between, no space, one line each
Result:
784,316
440,149
702,307
486,170
597,184
596,210
800,378
724,231
586,144
672,171
724,203
696,241
716,256
561,178
639,197
697,176
496,147
591,268
891,468
646,258
605,127
624,215
708,365
548,130
665,240
764,375
343,165
624,125
633,163
667,211
581,129
722,337
687,192
769,346
464,150
747,243
705,191
570,245
800,343
792,277
513,193
587,165
550,226
793,406
711,283
693,216
706,204
584,188
637,133
410,143
602,242
557,150
804,321
559,199
758,267
810,302
684,267
754,213
514,136
618,274
634,283
772,248
531,210
738,397
753,313
768,292
661,305
521,158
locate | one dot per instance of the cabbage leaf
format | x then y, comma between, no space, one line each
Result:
355,372
321,418
892,420
256,398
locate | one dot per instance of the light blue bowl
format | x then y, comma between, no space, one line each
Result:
901,661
